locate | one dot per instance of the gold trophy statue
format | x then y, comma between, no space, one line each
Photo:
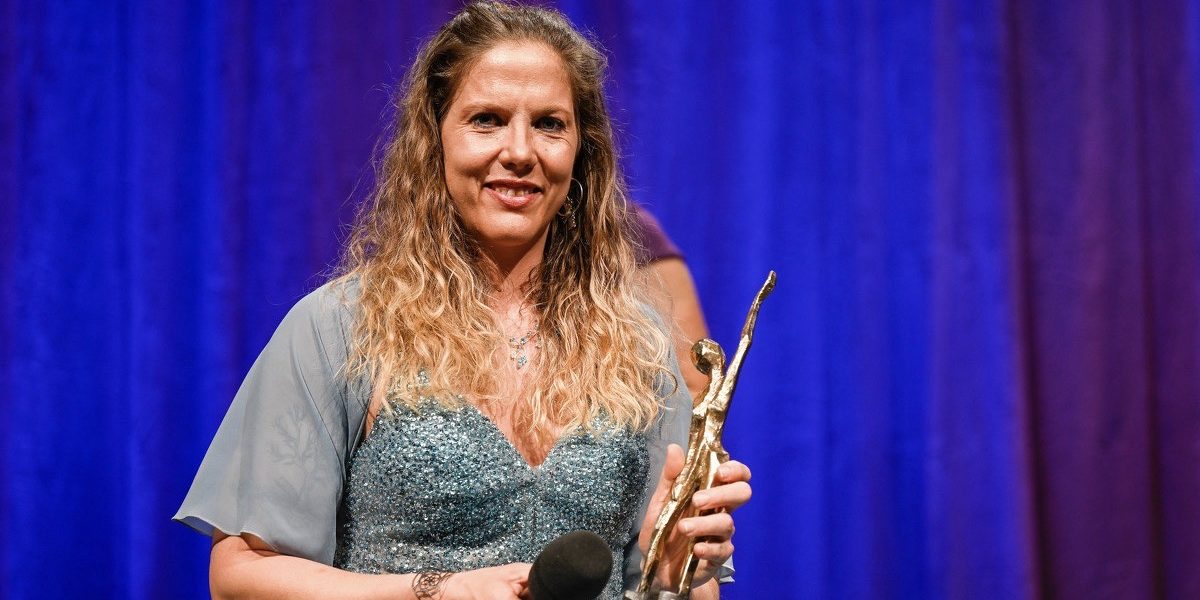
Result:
705,452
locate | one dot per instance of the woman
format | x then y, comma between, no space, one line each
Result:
484,375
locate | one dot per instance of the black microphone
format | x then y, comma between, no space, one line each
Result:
575,566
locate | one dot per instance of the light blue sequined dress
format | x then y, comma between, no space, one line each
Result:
444,490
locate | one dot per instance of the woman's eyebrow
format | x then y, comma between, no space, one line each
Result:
483,106
554,108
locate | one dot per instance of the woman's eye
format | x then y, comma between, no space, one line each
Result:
485,120
551,124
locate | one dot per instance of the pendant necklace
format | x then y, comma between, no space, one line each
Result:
518,354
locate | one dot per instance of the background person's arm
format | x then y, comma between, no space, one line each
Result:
671,280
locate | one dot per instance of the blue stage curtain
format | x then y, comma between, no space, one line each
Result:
979,376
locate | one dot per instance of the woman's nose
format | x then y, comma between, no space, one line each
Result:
517,154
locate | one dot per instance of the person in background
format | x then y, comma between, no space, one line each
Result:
673,292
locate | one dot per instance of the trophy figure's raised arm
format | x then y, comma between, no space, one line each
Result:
705,452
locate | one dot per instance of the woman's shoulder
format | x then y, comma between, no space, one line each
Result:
334,304
319,327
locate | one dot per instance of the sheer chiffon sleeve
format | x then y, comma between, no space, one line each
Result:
276,466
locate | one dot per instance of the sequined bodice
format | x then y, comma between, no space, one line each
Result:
444,490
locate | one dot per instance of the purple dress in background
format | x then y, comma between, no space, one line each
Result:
649,238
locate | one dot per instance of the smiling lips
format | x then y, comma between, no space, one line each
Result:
513,193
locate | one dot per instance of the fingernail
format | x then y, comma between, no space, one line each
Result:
686,528
700,499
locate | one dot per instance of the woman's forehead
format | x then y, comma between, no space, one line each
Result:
517,71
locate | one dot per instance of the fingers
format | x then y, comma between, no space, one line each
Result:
718,526
518,572
714,552
671,468
731,471
728,496
673,464
730,488
517,575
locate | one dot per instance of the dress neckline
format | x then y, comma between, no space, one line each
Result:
494,430
508,443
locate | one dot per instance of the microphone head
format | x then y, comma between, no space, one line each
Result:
575,566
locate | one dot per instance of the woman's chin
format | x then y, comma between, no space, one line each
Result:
512,242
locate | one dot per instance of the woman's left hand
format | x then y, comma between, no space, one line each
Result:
730,490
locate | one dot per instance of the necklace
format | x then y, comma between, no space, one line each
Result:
518,354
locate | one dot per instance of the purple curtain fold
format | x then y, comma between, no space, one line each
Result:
979,376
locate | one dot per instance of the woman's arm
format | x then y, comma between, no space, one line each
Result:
243,566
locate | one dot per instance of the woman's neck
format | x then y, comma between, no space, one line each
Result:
511,268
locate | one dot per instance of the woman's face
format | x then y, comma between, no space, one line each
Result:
509,140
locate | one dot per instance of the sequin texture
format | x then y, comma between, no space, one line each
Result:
442,489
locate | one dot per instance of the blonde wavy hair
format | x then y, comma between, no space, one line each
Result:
424,327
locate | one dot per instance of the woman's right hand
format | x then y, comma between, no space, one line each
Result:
505,582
